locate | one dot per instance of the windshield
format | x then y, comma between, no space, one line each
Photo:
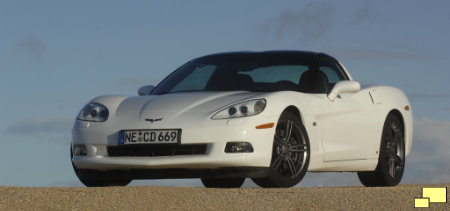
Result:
259,73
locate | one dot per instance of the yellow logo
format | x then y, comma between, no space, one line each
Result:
431,195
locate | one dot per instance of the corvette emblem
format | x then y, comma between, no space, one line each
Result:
153,120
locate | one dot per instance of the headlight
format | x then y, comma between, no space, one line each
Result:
94,112
243,109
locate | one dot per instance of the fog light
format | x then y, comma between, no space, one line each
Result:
238,147
79,150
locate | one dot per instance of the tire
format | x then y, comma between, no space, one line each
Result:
223,182
391,162
98,179
290,154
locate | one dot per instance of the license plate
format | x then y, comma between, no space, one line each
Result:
149,136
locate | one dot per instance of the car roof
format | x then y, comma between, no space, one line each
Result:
304,54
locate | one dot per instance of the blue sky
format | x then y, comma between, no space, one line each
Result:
57,55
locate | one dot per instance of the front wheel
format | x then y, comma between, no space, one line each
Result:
223,182
391,162
98,179
290,154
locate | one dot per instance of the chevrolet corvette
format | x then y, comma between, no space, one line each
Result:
270,116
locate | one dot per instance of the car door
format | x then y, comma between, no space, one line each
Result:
345,122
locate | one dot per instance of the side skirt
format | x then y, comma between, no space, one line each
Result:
346,165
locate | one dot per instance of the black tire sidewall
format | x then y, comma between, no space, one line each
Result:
382,171
279,180
96,179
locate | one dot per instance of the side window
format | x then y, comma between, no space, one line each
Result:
196,80
332,71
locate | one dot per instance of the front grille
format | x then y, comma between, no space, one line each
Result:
156,150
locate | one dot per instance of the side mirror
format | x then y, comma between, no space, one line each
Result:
344,87
145,90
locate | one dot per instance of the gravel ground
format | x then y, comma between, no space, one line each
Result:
184,198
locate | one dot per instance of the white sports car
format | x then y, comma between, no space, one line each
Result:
269,116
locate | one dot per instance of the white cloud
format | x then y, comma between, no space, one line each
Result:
433,132
429,158
319,19
365,13
41,125
415,96
46,128
32,45
310,22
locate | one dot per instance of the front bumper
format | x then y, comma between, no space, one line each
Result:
209,161
244,172
215,135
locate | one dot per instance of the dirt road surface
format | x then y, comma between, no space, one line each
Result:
185,198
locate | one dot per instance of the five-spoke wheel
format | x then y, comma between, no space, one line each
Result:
391,162
290,154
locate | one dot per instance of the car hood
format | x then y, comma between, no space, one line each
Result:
174,105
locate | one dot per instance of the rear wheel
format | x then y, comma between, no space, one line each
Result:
290,154
223,182
98,179
391,161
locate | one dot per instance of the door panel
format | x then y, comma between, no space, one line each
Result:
347,126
